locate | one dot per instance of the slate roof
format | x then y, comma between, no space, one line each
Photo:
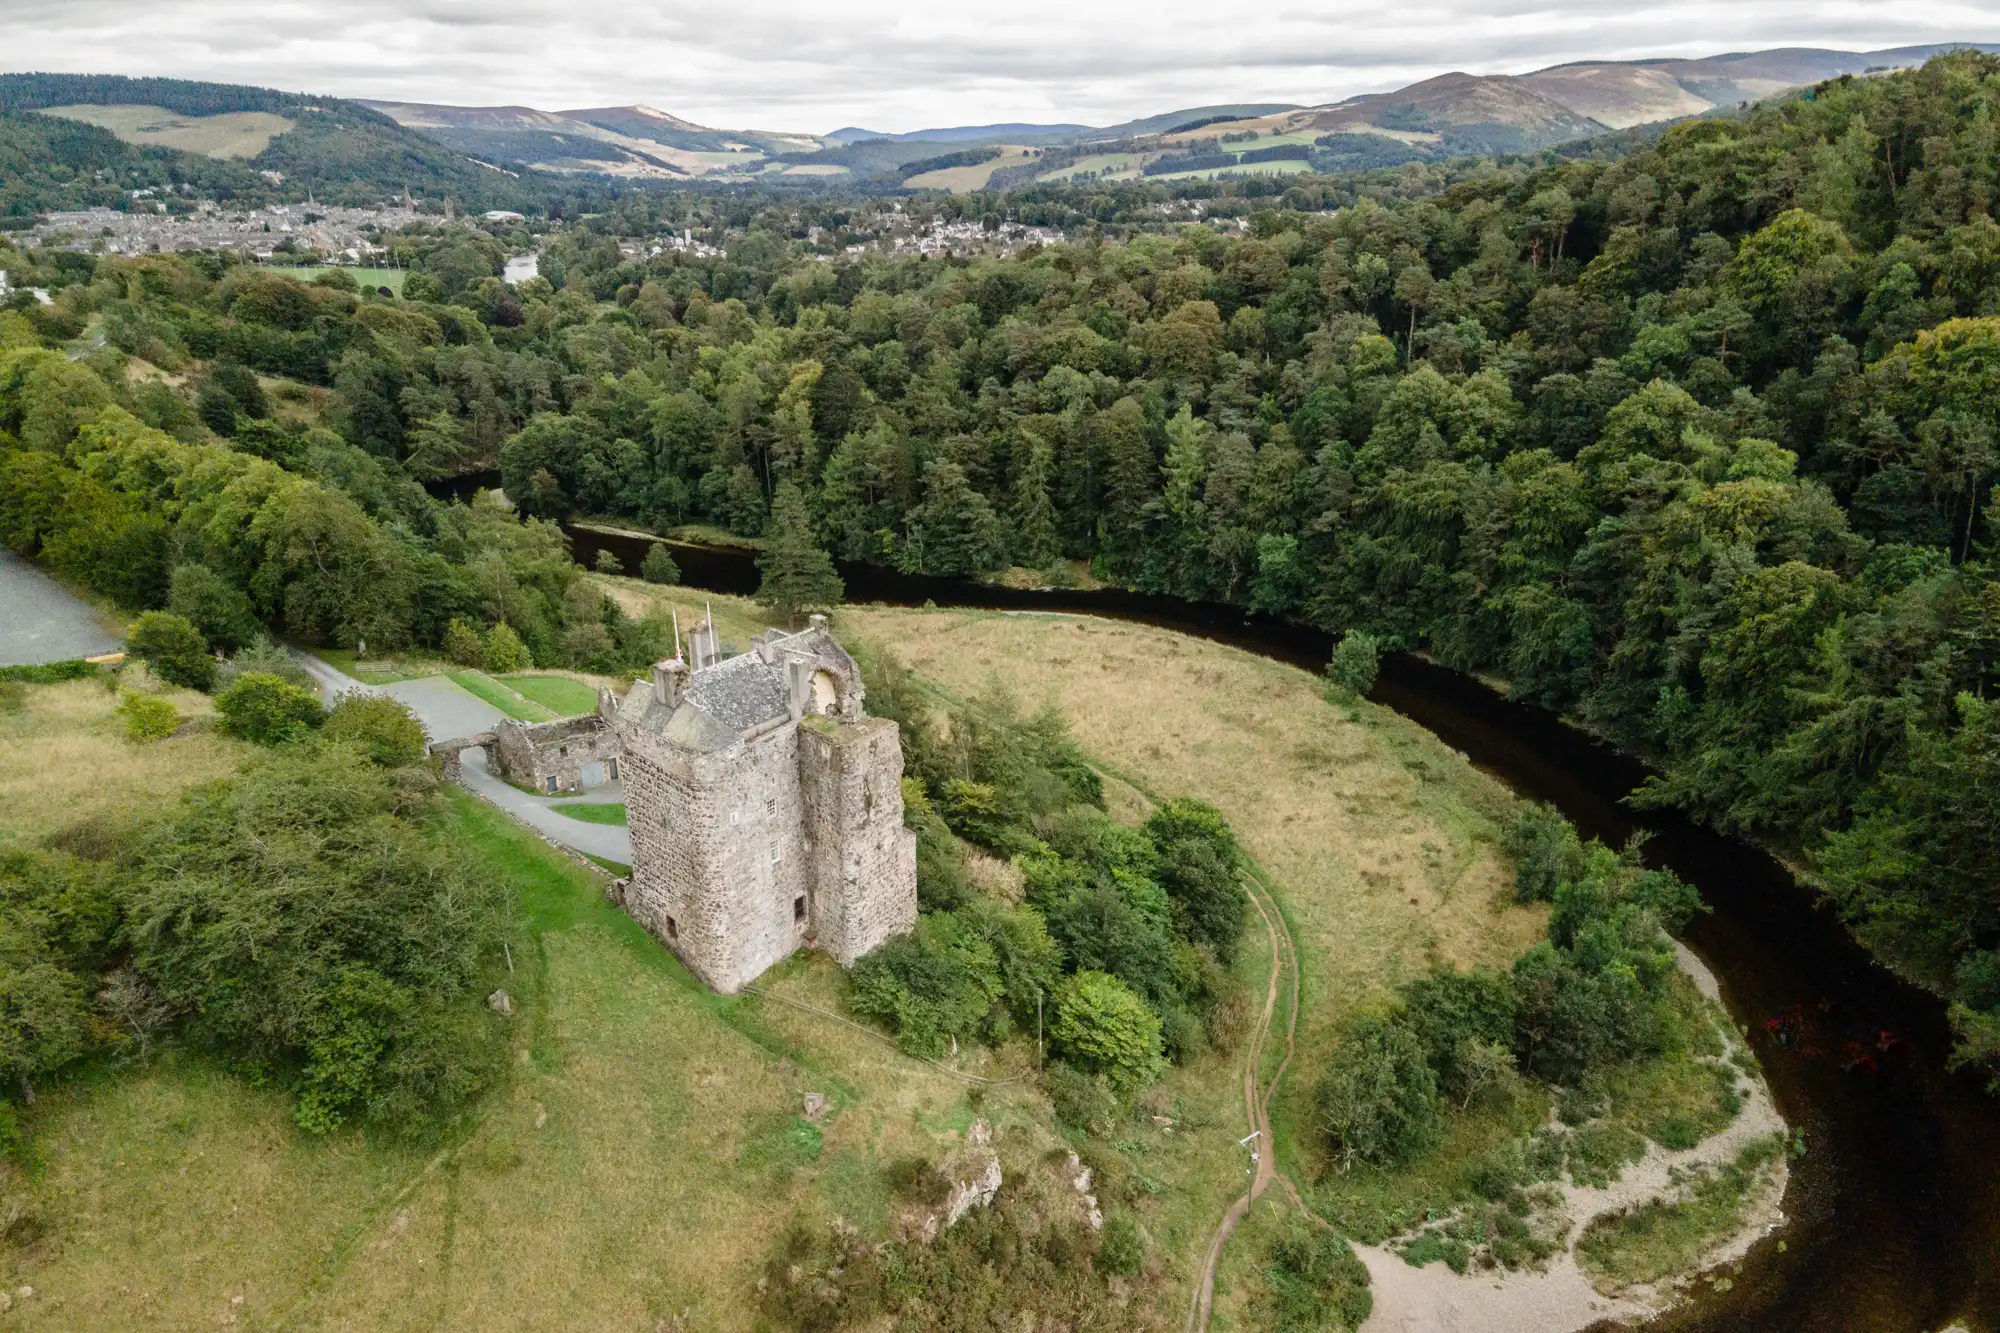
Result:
740,692
726,699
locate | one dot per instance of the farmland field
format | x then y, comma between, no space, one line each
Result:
1284,168
231,134
1104,164
973,177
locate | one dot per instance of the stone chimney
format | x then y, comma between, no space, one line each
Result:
798,681
669,681
703,647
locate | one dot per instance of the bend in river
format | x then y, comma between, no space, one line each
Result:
1895,1208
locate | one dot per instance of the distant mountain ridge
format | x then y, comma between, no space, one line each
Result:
473,152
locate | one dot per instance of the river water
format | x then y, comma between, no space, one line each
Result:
1895,1207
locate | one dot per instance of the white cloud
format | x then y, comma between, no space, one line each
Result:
897,65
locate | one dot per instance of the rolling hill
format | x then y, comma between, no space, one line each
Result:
343,151
1450,115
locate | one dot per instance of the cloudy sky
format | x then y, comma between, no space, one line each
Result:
905,64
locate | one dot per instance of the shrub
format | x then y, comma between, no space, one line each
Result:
148,717
607,562
932,986
213,605
1121,1246
1104,1027
1352,669
1081,1100
1377,1100
659,566
1316,1282
173,648
504,650
1465,1021
268,710
48,673
306,922
1201,869
462,643
1546,852
267,656
384,728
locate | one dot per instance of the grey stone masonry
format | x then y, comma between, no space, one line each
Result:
567,755
765,808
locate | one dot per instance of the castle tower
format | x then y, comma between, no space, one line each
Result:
765,807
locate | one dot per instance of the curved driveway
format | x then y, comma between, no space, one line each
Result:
447,710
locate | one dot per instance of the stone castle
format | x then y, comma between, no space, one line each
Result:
765,806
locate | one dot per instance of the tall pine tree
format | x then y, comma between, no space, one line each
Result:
798,574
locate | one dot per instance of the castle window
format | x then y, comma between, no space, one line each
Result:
777,855
799,908
673,929
611,767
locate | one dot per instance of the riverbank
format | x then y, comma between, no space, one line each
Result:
1567,1295
1382,844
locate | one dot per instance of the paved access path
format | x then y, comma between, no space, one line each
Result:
447,711
41,621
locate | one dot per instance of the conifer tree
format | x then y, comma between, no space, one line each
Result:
1036,541
798,574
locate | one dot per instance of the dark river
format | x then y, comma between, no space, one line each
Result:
1895,1208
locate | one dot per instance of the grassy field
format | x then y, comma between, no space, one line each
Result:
65,762
1104,164
592,812
1381,841
974,177
231,134
508,701
392,278
1285,168
588,1194
565,696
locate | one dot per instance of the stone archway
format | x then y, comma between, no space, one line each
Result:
450,753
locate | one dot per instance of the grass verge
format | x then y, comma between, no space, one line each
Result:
565,696
508,701
591,812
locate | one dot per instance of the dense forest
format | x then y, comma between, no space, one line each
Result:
1695,441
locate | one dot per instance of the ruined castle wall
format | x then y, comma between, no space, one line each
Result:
864,862
718,854
529,754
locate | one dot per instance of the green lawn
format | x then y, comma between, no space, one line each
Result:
562,695
514,705
593,813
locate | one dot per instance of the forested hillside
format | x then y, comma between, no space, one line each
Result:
1698,445
346,152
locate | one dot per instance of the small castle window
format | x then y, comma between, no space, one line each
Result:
673,929
799,908
777,855
612,767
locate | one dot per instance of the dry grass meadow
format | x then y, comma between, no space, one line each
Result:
648,1148
1380,841
230,134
